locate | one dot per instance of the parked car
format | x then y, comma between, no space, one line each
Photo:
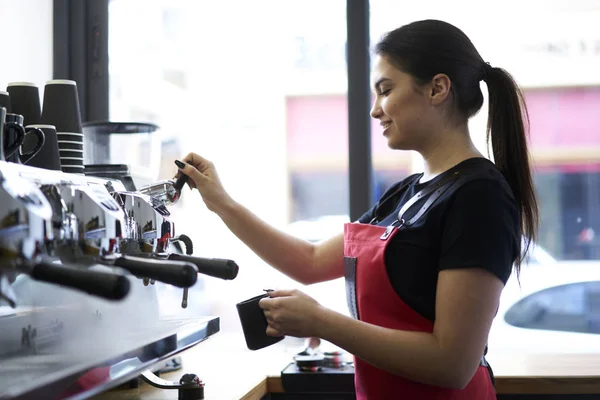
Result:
554,305
550,308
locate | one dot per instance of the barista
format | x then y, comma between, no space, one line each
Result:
423,291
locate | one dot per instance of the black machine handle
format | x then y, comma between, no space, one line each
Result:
187,241
176,273
180,182
102,284
215,267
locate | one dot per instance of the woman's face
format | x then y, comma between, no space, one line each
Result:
406,111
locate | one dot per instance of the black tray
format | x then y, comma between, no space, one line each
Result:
108,128
326,380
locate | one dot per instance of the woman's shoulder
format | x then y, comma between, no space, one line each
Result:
486,194
482,179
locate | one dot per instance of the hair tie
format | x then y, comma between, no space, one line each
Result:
486,71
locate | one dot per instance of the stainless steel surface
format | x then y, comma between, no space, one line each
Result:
163,192
63,332
147,224
59,373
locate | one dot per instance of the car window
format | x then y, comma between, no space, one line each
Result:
571,308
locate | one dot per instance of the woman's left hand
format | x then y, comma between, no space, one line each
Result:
291,313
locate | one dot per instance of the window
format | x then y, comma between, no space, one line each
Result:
239,82
32,60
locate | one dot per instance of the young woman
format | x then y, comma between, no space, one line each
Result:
424,267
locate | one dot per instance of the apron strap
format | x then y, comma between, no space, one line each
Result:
484,363
435,191
380,206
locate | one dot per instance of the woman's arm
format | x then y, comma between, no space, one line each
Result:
467,300
299,259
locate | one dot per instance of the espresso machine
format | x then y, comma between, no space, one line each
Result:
82,264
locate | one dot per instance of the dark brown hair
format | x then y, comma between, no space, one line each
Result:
426,48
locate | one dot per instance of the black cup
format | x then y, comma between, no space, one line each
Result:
2,117
48,157
73,170
12,135
71,153
71,161
61,106
5,100
68,145
254,324
15,135
70,137
25,101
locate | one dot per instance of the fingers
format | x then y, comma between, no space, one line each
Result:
266,304
193,158
273,332
191,185
201,163
275,298
190,182
190,171
281,293
273,328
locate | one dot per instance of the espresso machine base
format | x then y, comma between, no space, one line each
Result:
52,370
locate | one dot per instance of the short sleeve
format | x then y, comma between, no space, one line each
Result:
481,229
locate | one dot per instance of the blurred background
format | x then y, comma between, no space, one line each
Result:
260,88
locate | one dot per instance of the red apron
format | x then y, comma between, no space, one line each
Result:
372,299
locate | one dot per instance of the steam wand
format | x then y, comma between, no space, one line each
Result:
189,250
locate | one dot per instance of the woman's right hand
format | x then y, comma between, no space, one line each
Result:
203,176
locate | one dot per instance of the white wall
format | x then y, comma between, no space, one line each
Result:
26,34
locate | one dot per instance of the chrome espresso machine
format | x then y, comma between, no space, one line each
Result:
81,261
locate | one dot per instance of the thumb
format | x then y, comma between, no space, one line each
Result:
190,171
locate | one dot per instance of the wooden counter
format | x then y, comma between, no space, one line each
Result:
233,372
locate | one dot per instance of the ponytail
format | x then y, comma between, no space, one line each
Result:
508,125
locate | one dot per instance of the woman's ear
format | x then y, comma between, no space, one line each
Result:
440,89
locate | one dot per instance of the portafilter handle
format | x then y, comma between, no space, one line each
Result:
180,182
215,267
102,284
177,273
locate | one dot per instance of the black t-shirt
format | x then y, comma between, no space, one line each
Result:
475,226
